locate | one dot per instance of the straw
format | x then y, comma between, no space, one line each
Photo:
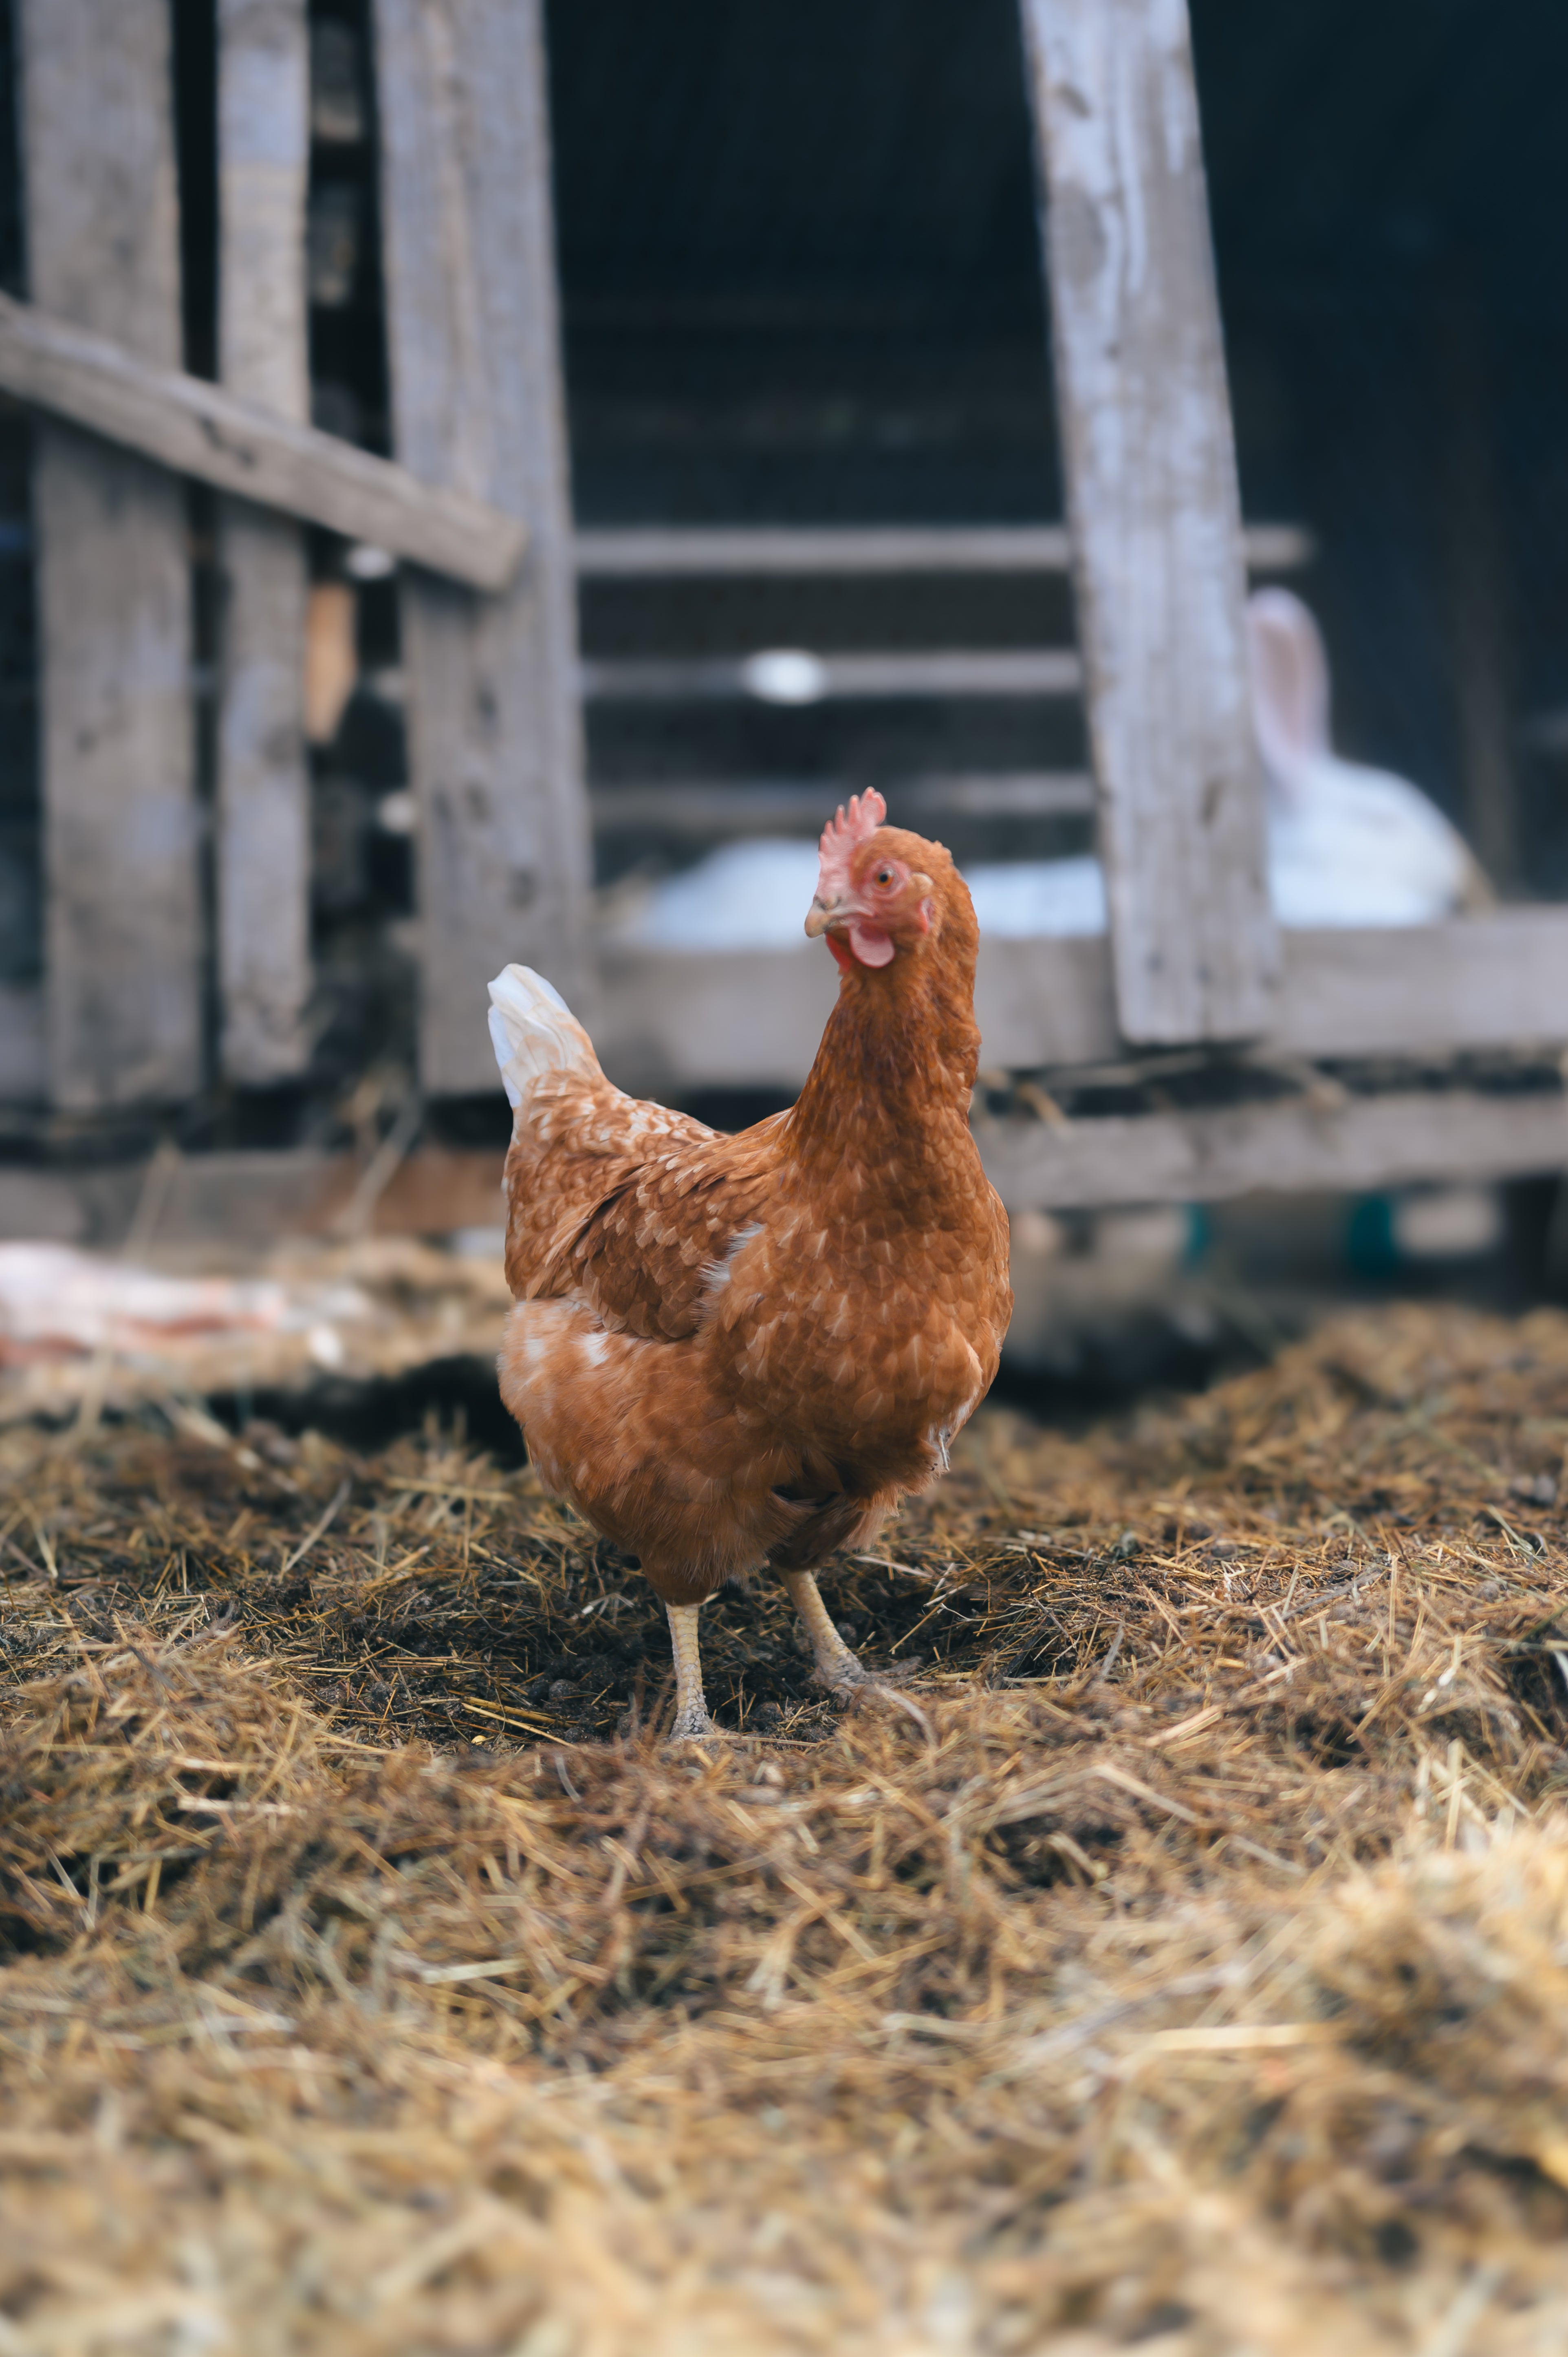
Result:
1189,1972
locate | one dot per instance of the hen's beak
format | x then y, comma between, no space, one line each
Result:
823,913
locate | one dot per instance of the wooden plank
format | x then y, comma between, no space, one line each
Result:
715,1018
263,781
107,385
1498,980
1489,981
1382,1141
233,1199
1486,981
706,808
1154,515
705,1018
123,938
670,1018
1374,1141
494,728
819,678
247,1199
667,555
1045,1002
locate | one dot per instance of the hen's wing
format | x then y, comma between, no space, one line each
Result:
628,1204
658,1242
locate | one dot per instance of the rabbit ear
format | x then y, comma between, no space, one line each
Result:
1289,680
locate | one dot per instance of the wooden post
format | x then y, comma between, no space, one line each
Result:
1154,515
495,733
263,780
123,940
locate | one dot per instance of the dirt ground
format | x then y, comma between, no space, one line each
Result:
1175,1956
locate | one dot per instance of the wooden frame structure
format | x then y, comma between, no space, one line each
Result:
475,506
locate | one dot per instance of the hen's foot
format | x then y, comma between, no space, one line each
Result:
692,1724
837,1668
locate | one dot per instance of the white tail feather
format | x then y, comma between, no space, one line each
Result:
533,1032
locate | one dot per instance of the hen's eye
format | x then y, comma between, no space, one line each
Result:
885,877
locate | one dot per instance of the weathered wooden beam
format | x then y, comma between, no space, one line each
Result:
1485,981
263,863
1154,515
108,386
1045,1002
670,553
1290,1147
742,1019
246,1199
673,1019
122,944
1475,983
494,726
722,1018
1374,1141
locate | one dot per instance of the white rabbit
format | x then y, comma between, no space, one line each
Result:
1348,846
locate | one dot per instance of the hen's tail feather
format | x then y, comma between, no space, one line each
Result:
534,1032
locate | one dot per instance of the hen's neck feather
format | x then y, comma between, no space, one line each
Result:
896,1065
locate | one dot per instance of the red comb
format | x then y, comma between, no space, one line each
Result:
842,835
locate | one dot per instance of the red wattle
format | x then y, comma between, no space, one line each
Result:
869,943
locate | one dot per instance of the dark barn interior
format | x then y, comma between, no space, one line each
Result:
801,281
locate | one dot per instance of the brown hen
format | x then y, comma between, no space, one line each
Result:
738,1351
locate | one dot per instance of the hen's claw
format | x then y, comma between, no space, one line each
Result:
847,1677
694,1726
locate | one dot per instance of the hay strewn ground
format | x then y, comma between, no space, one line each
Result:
1188,1968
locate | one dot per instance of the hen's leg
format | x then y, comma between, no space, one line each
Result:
836,1666
692,1720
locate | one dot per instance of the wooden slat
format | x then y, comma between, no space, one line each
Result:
1045,1002
734,1019
1481,981
964,670
263,785
255,1198
706,808
1202,1158
1155,515
692,1019
1484,981
1390,1141
209,1199
107,385
122,941
706,1018
495,735
667,554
